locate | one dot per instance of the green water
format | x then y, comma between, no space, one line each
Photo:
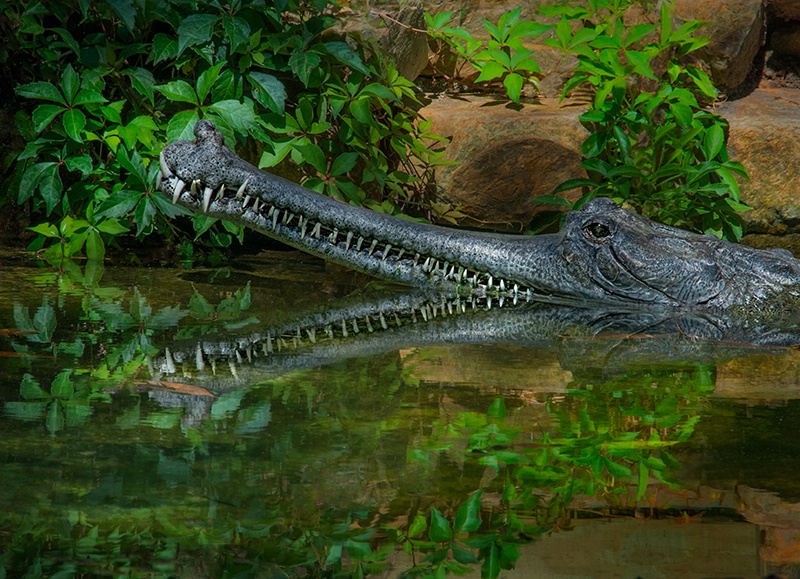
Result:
490,460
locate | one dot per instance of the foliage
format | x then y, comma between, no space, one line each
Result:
108,83
502,57
653,142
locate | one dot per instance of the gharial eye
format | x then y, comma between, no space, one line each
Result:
597,230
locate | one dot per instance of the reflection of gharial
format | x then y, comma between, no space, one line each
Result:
375,321
603,255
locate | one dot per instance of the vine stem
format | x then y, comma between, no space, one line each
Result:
385,16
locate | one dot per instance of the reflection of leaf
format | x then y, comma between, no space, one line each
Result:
255,419
468,517
29,389
227,404
25,410
440,527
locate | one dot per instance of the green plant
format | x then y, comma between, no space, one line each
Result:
109,83
503,56
653,142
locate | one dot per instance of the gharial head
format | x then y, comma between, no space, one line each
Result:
624,256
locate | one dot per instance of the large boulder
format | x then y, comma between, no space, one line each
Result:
736,29
505,156
765,136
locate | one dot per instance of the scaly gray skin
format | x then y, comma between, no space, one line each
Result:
603,255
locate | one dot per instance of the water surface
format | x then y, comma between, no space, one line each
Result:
396,452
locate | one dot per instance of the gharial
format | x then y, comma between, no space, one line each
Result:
604,254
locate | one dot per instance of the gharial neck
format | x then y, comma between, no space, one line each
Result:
206,176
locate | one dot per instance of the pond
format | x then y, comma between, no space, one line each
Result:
277,419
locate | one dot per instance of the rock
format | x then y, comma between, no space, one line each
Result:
765,137
786,9
505,156
404,42
736,28
786,42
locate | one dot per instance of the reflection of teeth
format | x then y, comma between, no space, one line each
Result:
165,170
178,190
169,361
207,193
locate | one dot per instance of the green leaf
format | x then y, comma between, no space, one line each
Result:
303,64
683,114
643,479
513,83
50,187
143,215
118,204
312,154
713,141
125,11
207,80
30,180
70,83
181,126
344,163
46,229
378,90
347,55
178,90
237,31
41,90
440,527
468,517
95,248
81,162
491,562
418,525
195,29
268,91
641,63
239,116
490,71
143,82
74,121
111,226
43,115
361,111
164,47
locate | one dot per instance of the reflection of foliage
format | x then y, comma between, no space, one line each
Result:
308,474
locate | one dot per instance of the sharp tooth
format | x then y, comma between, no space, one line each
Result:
424,311
232,365
207,193
427,265
359,242
334,236
356,329
195,186
489,303
303,225
275,217
198,356
502,300
256,203
271,211
165,170
462,273
516,289
400,253
491,281
397,320
245,202
329,331
502,285
344,329
178,190
528,295
287,217
221,192
242,187
312,335
416,259
386,250
348,240
238,356
383,321
369,324
451,272
372,246
316,231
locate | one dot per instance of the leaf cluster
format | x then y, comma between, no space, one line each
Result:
109,83
503,58
653,142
